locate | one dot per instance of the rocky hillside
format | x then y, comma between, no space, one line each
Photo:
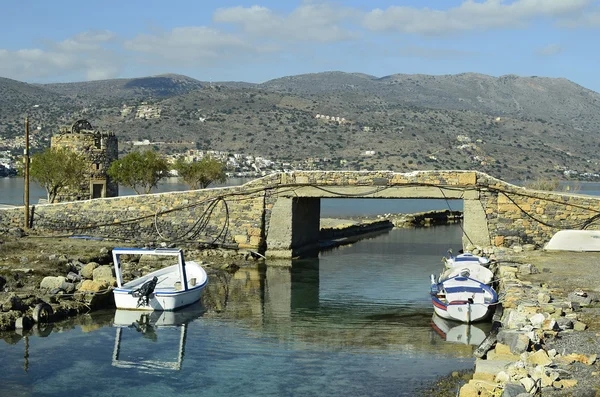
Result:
511,127
115,90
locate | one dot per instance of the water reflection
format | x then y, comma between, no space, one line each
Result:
454,332
131,324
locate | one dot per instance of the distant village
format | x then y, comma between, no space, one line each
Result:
240,164
237,164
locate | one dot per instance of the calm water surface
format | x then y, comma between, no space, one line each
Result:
354,321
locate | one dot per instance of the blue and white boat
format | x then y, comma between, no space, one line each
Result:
462,299
167,289
471,270
464,259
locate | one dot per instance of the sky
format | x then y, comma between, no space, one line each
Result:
45,41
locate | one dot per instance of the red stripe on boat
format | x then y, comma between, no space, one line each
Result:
438,304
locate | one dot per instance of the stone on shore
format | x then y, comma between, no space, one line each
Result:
513,390
93,286
88,270
469,390
579,326
51,282
529,385
491,366
103,274
540,357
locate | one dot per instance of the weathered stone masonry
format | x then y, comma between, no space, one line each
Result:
279,213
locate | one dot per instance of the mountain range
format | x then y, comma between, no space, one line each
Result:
511,127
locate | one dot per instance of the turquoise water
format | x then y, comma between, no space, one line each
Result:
354,321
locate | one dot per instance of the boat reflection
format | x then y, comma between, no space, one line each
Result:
151,326
455,332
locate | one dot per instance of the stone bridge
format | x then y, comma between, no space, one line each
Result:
278,215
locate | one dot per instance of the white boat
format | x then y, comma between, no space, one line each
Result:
453,332
462,299
471,270
463,259
575,240
166,289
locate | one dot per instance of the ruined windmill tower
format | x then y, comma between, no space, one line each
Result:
99,149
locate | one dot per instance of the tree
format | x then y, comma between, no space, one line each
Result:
139,171
200,174
57,168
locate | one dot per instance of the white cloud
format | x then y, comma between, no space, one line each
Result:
86,41
549,50
310,22
195,44
584,20
470,15
83,54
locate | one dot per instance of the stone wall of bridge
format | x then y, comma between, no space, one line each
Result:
278,214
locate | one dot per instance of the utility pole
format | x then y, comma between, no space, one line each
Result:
26,160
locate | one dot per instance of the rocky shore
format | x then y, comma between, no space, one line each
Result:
38,287
548,342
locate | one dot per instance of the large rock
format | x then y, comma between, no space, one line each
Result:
517,341
93,286
2,283
583,298
104,274
491,366
515,319
537,320
51,282
540,357
88,270
513,390
468,390
529,384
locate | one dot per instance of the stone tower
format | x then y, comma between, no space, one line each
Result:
100,149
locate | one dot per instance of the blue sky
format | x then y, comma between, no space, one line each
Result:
63,40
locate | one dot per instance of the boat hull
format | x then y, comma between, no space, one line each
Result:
157,300
463,299
464,312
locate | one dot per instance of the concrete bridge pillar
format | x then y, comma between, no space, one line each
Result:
294,227
475,226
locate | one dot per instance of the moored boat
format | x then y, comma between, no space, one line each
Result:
465,258
167,289
462,299
471,270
